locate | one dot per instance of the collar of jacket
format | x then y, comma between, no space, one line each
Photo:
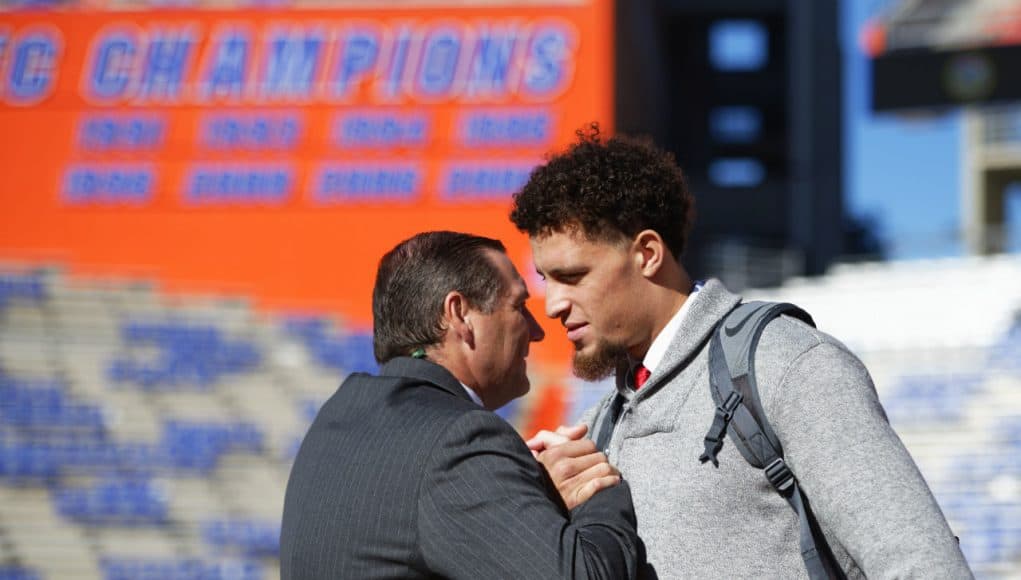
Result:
425,371
710,305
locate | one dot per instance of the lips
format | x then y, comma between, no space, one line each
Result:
575,331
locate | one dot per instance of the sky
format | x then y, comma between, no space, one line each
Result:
904,172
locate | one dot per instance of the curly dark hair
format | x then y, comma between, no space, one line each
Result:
609,189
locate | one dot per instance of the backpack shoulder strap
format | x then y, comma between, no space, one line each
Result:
733,387
737,337
740,413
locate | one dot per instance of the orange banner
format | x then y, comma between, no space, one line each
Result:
280,153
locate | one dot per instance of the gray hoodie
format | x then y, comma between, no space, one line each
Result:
697,521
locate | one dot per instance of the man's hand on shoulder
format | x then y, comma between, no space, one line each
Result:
574,464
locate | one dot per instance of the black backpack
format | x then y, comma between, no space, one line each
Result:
739,413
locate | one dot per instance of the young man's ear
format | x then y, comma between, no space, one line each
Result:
457,317
650,251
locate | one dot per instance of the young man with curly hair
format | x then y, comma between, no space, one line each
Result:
608,221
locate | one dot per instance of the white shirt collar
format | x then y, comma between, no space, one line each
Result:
659,346
474,396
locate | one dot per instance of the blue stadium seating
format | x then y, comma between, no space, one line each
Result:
309,409
180,569
928,398
43,405
347,353
41,459
192,355
186,447
113,502
50,433
27,462
1005,355
256,538
199,445
17,573
292,447
991,519
992,531
28,287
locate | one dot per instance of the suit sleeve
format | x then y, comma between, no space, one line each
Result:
863,485
484,512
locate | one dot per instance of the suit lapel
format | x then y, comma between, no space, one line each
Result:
424,371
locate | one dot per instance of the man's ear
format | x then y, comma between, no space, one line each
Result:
456,315
650,251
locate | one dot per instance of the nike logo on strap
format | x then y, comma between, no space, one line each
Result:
733,330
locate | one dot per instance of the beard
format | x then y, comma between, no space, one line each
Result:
602,362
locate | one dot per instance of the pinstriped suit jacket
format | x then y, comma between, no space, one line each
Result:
403,476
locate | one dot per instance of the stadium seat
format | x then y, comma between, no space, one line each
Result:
113,502
190,355
255,538
17,573
181,569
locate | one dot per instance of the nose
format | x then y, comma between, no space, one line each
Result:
556,303
535,332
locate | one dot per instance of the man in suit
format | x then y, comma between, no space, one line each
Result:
607,221
409,474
